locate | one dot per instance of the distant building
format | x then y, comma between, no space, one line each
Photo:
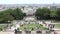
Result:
53,7
29,10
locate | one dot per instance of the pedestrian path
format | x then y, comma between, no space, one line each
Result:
55,28
6,32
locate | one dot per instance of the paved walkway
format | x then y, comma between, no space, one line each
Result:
6,32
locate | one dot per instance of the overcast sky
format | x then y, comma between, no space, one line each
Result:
29,1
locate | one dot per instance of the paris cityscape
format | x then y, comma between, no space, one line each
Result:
32,18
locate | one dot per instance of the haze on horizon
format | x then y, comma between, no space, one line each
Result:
29,1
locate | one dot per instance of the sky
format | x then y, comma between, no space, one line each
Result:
29,1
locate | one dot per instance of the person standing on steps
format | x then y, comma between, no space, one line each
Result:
15,31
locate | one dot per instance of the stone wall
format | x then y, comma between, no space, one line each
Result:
31,32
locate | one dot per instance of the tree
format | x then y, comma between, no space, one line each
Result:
42,13
5,16
53,14
17,14
11,14
58,13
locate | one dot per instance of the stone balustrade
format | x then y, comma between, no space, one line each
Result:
32,32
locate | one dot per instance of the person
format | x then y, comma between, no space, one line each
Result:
32,28
53,26
55,32
15,31
43,22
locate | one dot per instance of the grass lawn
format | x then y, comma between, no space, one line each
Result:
32,27
2,27
57,26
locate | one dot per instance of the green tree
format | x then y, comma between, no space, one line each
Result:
17,14
58,13
11,14
5,16
53,15
42,13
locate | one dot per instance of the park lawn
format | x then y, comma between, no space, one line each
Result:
30,26
57,26
2,27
